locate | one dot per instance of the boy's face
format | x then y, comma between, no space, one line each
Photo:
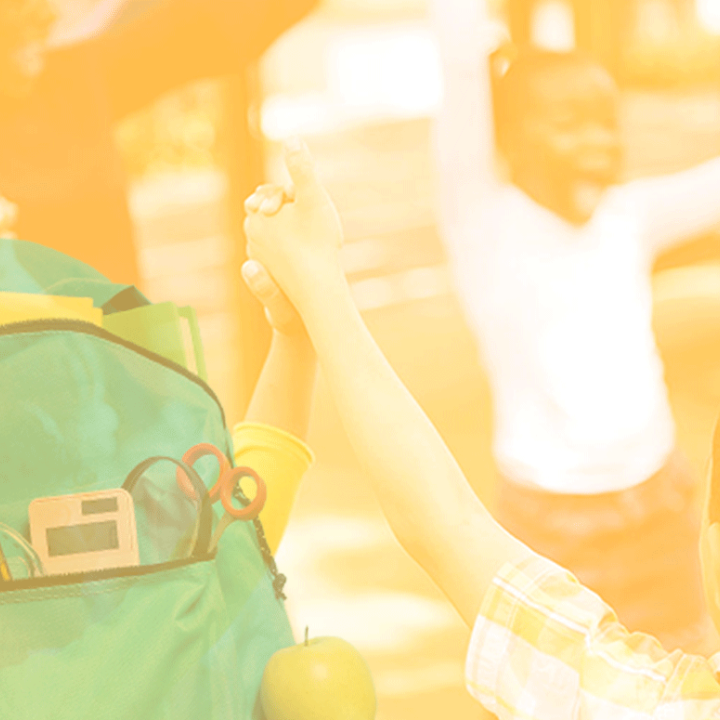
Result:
568,139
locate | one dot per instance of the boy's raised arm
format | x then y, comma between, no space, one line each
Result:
678,207
427,501
463,131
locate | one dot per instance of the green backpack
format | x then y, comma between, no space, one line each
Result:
177,636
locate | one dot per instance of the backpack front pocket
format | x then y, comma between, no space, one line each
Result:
138,645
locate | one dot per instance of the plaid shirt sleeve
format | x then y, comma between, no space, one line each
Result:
546,648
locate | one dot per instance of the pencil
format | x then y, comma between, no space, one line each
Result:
5,575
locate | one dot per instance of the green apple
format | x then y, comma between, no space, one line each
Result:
323,678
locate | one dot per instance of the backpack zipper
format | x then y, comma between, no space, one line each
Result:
63,579
88,328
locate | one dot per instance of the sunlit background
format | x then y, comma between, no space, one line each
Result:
361,81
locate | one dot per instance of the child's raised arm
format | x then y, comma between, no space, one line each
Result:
283,393
277,419
464,132
677,207
426,499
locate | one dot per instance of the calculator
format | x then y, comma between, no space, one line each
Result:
84,532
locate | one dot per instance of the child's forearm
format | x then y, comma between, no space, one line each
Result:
283,394
426,499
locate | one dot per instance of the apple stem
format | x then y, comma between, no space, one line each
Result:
307,629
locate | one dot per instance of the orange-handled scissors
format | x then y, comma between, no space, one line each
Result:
228,479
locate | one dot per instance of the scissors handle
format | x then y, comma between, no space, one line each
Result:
191,457
229,481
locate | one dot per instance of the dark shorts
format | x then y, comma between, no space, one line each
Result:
637,549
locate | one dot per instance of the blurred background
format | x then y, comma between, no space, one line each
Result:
361,81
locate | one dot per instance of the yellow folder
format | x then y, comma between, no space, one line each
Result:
16,307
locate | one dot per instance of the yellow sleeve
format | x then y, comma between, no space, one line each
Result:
281,460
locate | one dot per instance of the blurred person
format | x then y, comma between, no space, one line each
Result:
543,647
553,268
60,100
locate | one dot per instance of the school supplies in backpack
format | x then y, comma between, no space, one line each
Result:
16,307
84,532
186,633
159,328
227,482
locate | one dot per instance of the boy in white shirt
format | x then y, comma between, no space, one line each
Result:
553,269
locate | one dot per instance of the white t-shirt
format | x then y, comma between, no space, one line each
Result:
562,314
563,318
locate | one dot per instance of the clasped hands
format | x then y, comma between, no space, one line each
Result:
293,237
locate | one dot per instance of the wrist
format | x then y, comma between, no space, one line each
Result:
319,285
327,310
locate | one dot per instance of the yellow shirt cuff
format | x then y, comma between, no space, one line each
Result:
254,435
281,460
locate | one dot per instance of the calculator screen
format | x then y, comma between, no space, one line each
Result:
89,537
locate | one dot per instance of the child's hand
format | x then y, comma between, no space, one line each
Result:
8,218
295,232
279,311
268,199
